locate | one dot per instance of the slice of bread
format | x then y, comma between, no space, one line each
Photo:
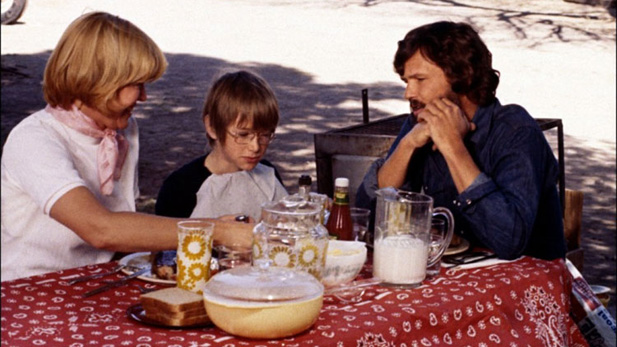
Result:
174,307
154,311
180,322
172,300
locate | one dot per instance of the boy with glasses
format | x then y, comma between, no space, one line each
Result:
240,116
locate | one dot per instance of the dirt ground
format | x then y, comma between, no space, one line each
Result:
556,58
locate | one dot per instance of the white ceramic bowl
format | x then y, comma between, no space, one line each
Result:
344,261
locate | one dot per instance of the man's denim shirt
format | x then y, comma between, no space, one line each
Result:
513,206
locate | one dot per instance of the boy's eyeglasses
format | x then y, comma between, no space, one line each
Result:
245,137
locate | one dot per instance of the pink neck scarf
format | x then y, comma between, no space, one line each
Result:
111,152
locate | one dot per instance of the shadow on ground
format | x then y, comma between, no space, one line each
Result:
172,134
511,9
170,120
531,24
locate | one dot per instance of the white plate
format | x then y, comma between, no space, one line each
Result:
598,290
457,249
142,260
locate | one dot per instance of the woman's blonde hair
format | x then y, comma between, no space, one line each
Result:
243,97
97,55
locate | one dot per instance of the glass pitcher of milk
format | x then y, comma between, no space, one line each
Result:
402,237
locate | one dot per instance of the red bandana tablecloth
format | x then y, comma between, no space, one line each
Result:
519,303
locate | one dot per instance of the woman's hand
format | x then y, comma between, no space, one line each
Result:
237,218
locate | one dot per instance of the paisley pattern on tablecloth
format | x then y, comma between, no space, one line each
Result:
516,304
543,311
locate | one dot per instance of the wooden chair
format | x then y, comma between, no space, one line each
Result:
572,221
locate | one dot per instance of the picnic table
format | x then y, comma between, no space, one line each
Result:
515,303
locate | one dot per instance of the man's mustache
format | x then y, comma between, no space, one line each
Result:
416,104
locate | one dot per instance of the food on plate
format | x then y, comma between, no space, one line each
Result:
164,264
456,240
337,252
174,307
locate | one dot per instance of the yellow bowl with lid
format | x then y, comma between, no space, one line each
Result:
263,303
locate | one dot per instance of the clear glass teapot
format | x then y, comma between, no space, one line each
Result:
290,235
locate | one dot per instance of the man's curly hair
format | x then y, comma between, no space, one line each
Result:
459,51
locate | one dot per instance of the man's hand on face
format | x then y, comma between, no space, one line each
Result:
418,136
446,123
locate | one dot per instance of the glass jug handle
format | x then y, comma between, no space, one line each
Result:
444,212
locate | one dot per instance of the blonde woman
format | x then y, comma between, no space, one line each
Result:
69,171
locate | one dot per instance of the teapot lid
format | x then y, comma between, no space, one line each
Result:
292,212
258,285
293,204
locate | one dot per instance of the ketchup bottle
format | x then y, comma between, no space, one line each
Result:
339,223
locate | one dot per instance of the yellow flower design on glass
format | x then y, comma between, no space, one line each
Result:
187,285
197,272
308,255
283,256
315,272
194,254
257,250
180,267
323,256
194,246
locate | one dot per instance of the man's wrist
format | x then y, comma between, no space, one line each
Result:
409,144
454,150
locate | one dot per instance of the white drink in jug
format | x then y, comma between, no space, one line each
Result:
400,259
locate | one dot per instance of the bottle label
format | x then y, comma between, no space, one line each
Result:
341,198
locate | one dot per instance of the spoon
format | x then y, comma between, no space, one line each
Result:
351,288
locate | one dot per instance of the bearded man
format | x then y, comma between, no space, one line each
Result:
490,164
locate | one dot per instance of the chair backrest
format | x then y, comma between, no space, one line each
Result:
354,167
348,152
572,222
572,218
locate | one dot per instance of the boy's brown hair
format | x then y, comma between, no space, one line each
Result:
242,97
